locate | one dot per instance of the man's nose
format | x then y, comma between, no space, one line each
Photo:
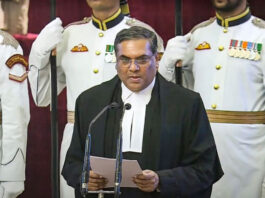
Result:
134,66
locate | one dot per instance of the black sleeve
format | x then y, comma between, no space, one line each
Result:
200,166
73,164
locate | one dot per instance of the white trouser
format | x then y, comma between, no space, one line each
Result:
242,155
11,189
66,191
263,189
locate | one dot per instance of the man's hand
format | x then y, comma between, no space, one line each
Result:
147,181
96,182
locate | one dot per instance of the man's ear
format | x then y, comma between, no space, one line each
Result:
157,57
116,55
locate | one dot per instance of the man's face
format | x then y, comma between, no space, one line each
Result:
101,5
226,5
136,64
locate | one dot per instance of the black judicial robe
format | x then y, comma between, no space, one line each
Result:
178,143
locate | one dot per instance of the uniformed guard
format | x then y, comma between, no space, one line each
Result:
85,58
224,60
14,116
14,16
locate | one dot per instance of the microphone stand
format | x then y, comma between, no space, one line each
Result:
118,169
86,166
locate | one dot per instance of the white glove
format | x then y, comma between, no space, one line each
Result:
49,37
1,39
175,51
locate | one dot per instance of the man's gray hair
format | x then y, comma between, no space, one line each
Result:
136,33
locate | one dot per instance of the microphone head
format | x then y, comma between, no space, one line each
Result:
114,105
127,106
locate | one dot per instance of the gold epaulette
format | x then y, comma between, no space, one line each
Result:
136,22
8,39
84,21
203,24
259,22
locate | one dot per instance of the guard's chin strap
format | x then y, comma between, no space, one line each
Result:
124,7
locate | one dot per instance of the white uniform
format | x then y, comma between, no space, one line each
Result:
14,117
227,82
85,58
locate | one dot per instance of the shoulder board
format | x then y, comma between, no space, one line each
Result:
259,22
136,22
8,39
84,21
203,24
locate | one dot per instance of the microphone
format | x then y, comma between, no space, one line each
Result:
127,106
118,169
86,164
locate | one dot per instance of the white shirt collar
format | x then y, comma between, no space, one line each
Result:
126,93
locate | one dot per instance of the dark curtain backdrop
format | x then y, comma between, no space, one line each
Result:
158,13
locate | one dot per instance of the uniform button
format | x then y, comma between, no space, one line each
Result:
218,67
214,106
216,86
95,71
98,53
225,30
100,34
221,48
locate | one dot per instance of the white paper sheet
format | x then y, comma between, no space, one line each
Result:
106,168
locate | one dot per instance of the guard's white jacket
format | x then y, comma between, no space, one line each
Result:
14,107
85,58
233,84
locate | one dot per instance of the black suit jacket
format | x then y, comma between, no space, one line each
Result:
183,151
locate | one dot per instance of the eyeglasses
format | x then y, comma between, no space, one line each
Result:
142,61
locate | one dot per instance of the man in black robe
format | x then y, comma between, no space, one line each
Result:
176,148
